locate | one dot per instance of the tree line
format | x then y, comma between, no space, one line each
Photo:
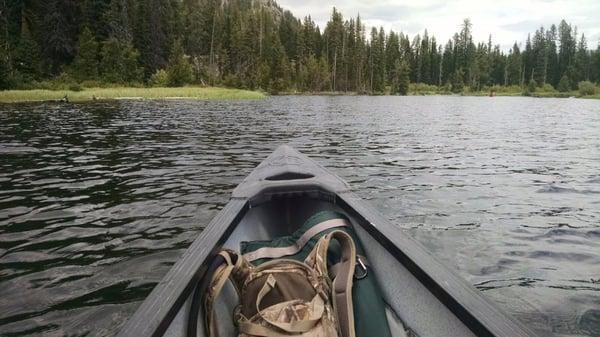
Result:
255,44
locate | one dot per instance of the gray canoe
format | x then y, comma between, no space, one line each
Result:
285,189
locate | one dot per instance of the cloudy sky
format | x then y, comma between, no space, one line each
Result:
507,20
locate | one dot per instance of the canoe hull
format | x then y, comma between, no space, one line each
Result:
289,186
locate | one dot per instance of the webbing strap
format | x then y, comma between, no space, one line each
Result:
361,260
277,252
219,278
342,283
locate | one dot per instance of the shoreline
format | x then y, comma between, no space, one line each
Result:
573,94
219,93
128,93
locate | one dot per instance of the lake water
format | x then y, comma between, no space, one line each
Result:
97,201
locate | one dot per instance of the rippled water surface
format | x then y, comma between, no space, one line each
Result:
97,201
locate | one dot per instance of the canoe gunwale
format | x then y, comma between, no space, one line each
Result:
479,314
158,310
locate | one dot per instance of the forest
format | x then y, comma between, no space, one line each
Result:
255,44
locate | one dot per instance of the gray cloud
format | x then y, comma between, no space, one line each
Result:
522,26
508,21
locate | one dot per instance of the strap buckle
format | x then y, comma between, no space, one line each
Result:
360,265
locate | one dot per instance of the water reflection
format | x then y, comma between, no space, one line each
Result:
97,201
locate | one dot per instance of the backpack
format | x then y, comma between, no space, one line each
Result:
368,303
286,297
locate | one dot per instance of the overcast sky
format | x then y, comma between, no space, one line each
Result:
507,20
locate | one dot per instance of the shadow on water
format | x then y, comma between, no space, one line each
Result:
97,201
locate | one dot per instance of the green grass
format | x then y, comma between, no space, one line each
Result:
89,94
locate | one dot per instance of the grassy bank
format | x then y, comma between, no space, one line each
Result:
90,94
420,89
513,90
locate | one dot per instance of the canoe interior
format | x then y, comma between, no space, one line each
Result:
405,295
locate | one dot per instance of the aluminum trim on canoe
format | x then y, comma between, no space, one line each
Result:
286,171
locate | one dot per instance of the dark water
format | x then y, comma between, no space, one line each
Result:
97,201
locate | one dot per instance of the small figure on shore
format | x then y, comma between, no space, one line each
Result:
65,99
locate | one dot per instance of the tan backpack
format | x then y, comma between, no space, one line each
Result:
284,297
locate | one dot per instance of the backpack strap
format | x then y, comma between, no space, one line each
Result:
297,245
217,282
341,290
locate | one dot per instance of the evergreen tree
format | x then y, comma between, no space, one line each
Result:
253,44
458,80
5,64
118,20
85,65
447,63
315,74
567,48
552,74
595,65
564,84
27,56
582,61
377,61
360,56
400,78
278,67
93,13
179,70
514,68
60,22
119,62
528,62
392,55
334,46
5,82
539,56
153,31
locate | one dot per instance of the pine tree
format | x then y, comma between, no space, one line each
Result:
552,74
567,50
179,70
119,62
360,56
447,63
196,33
514,66
539,56
153,32
400,78
377,61
27,56
334,45
564,84
392,55
595,71
59,33
458,80
93,13
278,67
118,20
582,61
85,65
5,82
5,64
254,44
